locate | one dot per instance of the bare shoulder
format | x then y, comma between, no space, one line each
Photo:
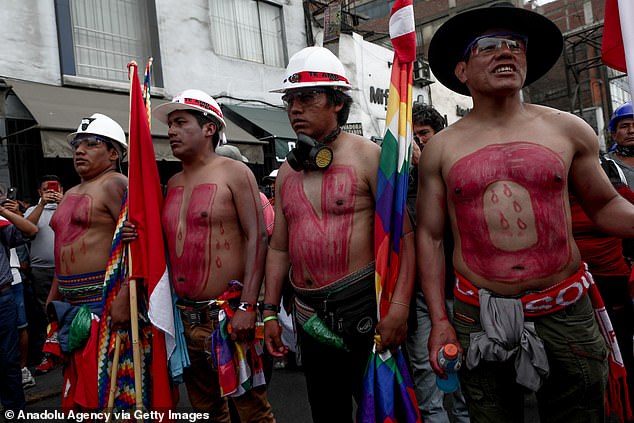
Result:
234,172
113,186
175,180
355,148
116,179
566,125
557,118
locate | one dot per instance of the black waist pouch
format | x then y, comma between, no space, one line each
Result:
350,311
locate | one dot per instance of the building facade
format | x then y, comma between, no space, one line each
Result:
67,59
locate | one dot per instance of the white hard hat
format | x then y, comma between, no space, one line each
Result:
102,125
314,67
232,152
272,176
196,100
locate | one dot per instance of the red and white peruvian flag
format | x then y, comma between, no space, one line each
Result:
617,50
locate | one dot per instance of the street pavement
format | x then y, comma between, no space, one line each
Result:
287,394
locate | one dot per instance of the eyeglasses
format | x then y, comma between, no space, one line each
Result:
92,141
306,98
492,43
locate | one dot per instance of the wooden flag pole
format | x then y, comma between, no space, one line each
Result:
113,375
134,312
136,349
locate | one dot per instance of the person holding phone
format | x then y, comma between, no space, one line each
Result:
42,257
14,231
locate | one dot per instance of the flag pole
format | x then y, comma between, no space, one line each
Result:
134,312
113,375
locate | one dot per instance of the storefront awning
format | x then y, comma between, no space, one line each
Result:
267,123
58,110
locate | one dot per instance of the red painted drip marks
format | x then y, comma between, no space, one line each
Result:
510,211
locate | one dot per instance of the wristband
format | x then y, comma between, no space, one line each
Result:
270,307
268,318
399,303
245,306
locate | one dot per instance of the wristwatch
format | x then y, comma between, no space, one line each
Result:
245,306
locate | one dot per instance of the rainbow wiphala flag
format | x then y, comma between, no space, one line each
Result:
388,394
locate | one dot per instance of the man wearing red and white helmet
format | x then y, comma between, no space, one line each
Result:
216,241
324,233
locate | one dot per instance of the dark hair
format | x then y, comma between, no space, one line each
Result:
47,178
423,114
339,97
202,120
113,145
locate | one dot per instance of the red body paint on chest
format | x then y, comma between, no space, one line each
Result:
72,219
189,238
510,211
319,245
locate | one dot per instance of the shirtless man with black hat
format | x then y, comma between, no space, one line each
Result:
502,174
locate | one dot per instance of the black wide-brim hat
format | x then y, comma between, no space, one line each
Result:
447,46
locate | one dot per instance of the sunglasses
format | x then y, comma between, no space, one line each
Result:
91,141
492,43
305,97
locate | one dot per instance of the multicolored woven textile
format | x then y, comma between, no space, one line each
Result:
115,276
239,364
395,155
388,393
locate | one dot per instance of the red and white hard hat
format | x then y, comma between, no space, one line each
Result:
191,99
314,67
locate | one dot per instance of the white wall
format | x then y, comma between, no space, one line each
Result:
189,62
30,50
447,102
368,67
29,41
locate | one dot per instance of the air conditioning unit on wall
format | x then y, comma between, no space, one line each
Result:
422,74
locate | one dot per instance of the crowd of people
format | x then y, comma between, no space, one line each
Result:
514,220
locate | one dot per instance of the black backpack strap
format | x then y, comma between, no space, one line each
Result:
613,170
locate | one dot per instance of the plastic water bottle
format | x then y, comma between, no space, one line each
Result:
449,359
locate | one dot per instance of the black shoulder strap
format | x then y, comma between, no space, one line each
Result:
614,172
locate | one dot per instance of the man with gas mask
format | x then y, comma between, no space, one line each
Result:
324,233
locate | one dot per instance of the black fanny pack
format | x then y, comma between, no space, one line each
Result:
349,311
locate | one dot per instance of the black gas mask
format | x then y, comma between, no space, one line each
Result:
309,154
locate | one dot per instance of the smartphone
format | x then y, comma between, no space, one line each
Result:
52,186
12,193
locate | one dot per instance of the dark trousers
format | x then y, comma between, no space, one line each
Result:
11,392
575,388
333,376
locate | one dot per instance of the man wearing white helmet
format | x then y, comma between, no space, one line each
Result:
324,233
216,241
84,224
